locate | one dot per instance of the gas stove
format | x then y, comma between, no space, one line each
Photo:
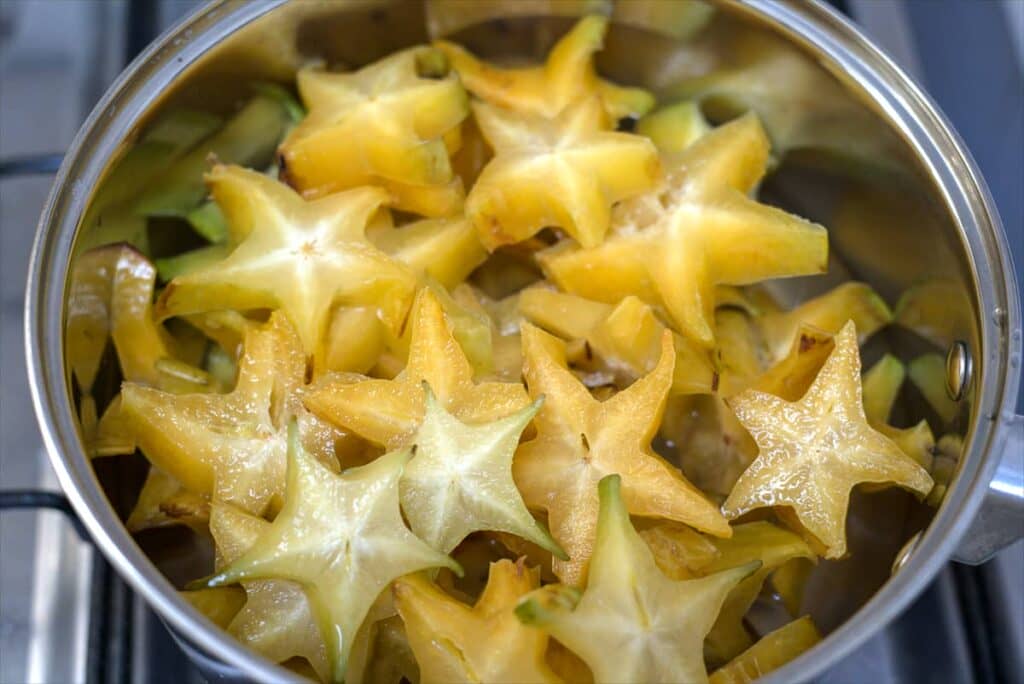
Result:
65,616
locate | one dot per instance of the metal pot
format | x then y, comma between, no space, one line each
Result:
854,120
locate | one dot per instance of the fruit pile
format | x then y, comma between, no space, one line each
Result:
466,382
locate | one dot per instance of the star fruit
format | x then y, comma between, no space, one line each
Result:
626,337
632,623
881,385
342,538
454,642
388,412
232,446
384,125
565,172
580,440
297,256
460,479
771,652
701,229
814,451
546,90
276,619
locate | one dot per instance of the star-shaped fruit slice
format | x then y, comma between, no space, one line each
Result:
454,642
297,256
546,90
342,538
276,619
881,385
632,623
814,451
447,250
110,298
232,446
580,440
388,412
699,230
565,172
385,125
851,301
460,479
771,652
625,337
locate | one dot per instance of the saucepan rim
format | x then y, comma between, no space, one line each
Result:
837,44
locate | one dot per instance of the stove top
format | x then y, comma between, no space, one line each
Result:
65,616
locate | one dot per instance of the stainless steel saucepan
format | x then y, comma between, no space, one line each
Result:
854,137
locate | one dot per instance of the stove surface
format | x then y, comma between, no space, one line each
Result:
66,617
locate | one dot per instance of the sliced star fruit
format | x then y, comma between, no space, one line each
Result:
454,642
928,374
504,318
247,139
936,309
220,605
632,623
674,128
546,90
460,479
856,302
564,172
232,446
701,229
881,385
386,657
790,583
111,297
474,154
679,551
580,440
446,250
771,652
381,125
164,502
388,412
297,256
111,216
814,451
276,620
342,538
625,337
760,541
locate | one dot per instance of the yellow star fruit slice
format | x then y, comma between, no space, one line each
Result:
276,619
447,250
297,256
771,652
928,374
580,440
760,541
814,451
382,125
388,412
852,301
632,623
626,337
546,90
454,642
342,538
701,229
881,385
164,502
460,479
674,128
110,298
564,172
232,446
679,552
220,605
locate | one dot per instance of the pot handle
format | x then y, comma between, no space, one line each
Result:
1000,520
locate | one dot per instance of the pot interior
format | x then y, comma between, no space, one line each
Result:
838,162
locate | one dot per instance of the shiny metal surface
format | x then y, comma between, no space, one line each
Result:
209,57
959,368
